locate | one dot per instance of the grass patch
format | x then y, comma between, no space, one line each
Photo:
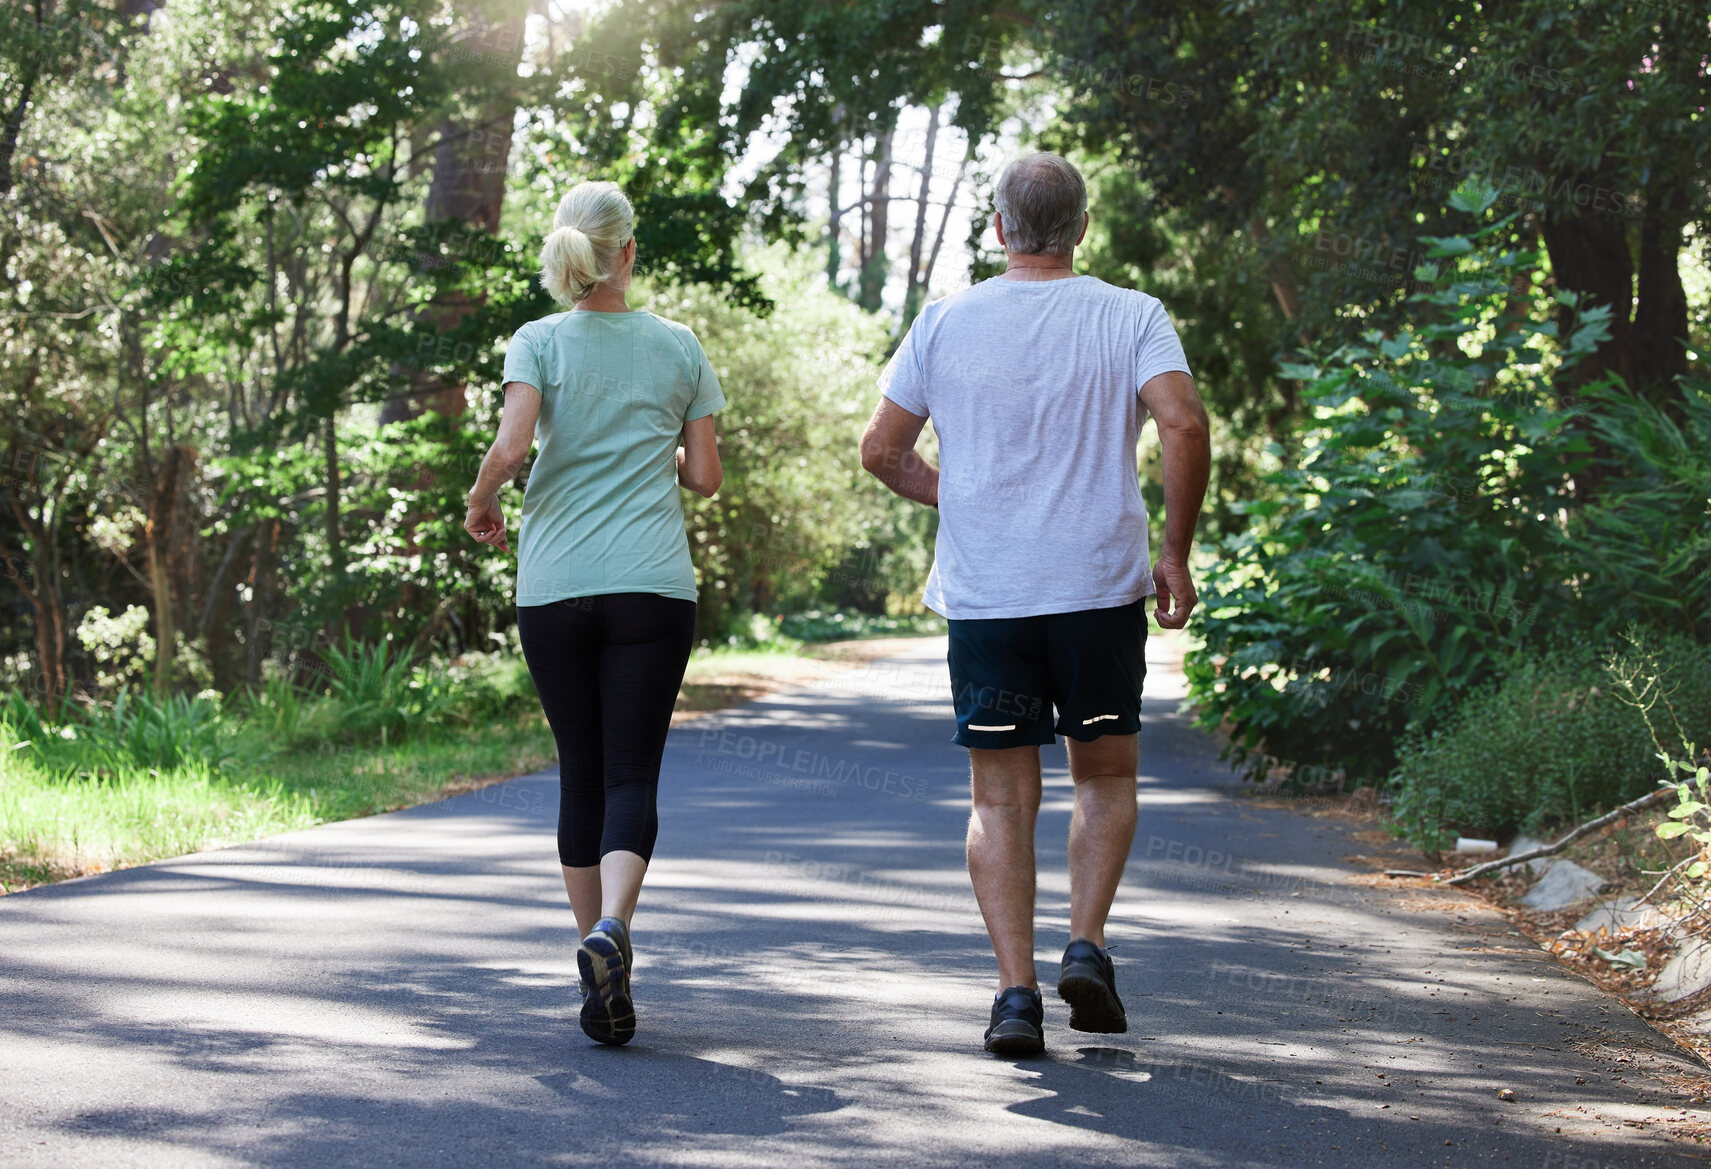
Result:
59,824
139,780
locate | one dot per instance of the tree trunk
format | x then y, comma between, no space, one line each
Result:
871,287
1660,316
9,133
214,628
258,636
42,591
335,541
1278,271
468,187
834,212
945,219
863,165
915,290
1589,255
14,124
159,532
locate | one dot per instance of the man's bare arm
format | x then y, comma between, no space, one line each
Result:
1185,444
888,453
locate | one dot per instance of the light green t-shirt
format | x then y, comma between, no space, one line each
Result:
602,512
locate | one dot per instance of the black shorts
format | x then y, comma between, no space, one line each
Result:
1008,673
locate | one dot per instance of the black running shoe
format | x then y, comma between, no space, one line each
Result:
603,960
1018,1023
1088,983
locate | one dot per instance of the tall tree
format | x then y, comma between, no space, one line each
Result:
470,164
875,267
915,285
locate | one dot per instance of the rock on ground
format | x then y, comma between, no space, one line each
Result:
1563,884
1689,971
1528,844
1623,913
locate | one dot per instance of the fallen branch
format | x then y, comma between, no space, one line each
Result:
1674,869
1628,809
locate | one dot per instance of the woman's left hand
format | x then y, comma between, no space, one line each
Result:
487,523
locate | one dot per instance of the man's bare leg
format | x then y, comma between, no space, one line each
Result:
1101,829
1006,787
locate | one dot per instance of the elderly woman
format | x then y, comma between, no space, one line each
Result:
620,402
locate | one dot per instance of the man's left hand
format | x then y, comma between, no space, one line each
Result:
1176,595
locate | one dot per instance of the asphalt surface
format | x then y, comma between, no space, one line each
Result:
812,984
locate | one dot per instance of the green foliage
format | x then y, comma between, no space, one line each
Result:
53,829
1552,741
1648,530
78,807
1413,550
796,516
137,732
380,693
1450,512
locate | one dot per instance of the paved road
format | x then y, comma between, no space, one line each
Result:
813,981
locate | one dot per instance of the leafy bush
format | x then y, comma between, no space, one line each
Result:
1648,531
1551,741
1437,526
136,732
797,522
1409,551
376,692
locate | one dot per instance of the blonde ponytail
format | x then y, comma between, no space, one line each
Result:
590,229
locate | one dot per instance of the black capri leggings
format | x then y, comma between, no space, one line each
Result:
607,669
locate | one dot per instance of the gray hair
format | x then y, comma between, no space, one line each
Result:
592,225
1042,199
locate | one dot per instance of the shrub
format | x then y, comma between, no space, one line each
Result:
1437,528
136,732
384,695
1552,741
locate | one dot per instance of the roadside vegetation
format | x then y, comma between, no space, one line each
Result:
136,779
1440,272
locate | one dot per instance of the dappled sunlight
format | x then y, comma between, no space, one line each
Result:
812,979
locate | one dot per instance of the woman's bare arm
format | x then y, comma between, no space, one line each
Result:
698,465
504,459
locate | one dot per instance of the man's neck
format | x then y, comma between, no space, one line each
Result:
1028,266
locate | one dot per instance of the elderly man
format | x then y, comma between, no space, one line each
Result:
1038,382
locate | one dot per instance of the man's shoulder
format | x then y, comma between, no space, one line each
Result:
991,295
1118,294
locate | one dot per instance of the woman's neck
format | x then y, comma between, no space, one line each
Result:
604,299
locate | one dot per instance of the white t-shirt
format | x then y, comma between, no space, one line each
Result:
1033,388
